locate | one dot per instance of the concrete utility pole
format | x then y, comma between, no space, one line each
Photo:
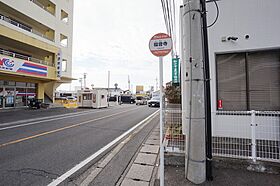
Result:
195,138
81,81
156,83
128,83
85,77
108,80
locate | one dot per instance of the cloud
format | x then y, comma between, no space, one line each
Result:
113,36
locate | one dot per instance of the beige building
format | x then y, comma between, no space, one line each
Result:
35,49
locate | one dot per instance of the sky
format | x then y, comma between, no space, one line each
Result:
113,35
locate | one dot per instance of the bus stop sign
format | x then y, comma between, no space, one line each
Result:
160,44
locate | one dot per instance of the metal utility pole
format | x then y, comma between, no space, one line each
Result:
195,161
85,77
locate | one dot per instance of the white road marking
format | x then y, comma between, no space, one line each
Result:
45,119
99,152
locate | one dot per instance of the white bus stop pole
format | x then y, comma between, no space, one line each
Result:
161,153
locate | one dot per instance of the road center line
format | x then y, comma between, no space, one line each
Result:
47,120
60,129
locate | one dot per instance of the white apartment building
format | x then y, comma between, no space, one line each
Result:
35,49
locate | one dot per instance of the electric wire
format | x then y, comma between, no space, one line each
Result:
164,13
217,15
175,31
169,12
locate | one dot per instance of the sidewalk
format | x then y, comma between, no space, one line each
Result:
144,170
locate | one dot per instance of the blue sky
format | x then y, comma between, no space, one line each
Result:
113,35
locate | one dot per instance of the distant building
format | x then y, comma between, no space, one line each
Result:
139,89
35,49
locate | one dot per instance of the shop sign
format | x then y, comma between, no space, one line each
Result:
22,67
59,64
175,71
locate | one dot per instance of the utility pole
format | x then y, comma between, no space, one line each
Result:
156,83
85,77
195,161
81,81
108,80
108,88
128,83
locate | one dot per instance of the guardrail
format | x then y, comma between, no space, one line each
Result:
24,27
19,56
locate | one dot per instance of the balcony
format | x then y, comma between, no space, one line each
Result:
46,5
23,57
24,27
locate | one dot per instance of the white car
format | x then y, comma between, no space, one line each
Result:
140,100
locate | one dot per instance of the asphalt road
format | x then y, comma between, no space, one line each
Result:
36,152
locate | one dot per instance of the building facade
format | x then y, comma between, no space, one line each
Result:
244,60
35,49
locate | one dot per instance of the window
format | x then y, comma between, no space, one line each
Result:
63,40
64,16
249,81
87,96
64,65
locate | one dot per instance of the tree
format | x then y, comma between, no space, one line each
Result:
173,94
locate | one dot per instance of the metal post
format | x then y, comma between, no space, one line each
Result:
253,133
161,153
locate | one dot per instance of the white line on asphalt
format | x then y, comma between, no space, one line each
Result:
47,120
47,117
99,152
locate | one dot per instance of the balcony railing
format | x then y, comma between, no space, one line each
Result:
41,6
23,57
24,27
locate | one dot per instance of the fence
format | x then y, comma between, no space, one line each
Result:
246,134
235,134
174,140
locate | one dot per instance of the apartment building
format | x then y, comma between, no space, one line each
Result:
35,49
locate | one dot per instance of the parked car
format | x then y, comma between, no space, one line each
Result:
154,102
71,98
127,99
140,100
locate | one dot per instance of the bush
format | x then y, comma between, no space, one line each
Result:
173,94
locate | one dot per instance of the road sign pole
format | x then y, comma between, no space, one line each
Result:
160,45
161,153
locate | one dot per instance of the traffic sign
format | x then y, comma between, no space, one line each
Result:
160,44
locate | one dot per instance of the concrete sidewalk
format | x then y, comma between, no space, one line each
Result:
144,170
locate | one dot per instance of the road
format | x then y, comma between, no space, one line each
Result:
36,152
